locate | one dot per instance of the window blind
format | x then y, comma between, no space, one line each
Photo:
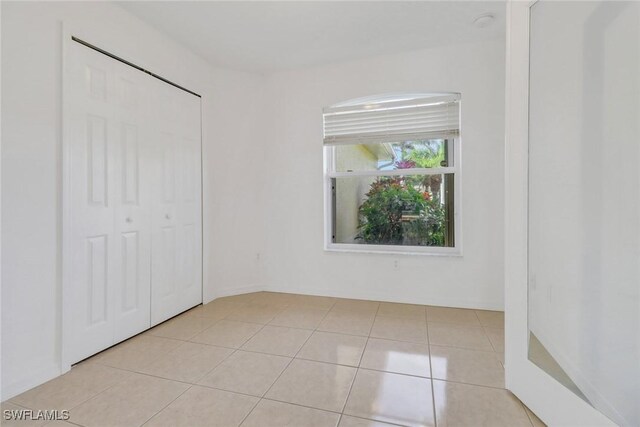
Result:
428,117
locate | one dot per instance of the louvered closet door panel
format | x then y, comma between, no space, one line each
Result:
177,245
109,287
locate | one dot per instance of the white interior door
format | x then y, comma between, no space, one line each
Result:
189,213
109,221
572,72
133,206
177,224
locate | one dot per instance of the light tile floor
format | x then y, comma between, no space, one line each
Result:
269,359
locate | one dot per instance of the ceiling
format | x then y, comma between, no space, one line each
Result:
266,36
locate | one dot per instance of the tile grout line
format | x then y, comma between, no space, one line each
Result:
286,367
222,361
484,330
376,421
191,385
238,392
433,393
329,411
496,352
294,327
271,399
461,325
524,408
96,395
235,350
464,348
375,316
346,400
470,384
165,406
490,342
300,349
259,399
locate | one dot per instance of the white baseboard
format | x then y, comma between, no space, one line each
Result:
378,296
32,379
226,292
460,302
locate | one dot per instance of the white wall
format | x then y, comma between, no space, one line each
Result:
584,197
31,168
294,259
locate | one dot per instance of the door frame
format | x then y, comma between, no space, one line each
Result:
551,401
100,37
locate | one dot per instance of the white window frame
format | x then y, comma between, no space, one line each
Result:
330,173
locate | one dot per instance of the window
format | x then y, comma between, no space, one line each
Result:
391,174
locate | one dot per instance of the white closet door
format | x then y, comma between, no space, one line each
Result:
110,232
133,208
189,196
177,221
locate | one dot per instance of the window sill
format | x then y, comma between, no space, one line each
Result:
393,250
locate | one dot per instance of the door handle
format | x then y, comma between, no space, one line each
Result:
129,220
167,216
